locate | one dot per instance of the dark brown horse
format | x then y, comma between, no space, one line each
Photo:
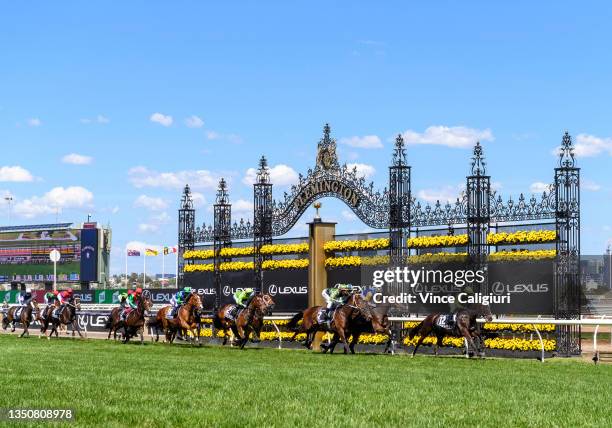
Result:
44,318
66,316
187,319
378,324
342,317
26,315
249,320
465,325
346,323
134,321
160,322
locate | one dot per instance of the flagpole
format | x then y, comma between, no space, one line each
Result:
144,269
176,268
126,257
163,265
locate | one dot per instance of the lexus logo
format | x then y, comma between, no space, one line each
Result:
227,291
274,289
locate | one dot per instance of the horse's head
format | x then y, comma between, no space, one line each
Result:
485,311
357,301
34,305
146,301
263,303
76,301
194,300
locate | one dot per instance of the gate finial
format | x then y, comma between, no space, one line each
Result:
263,173
222,194
186,200
566,152
478,161
399,154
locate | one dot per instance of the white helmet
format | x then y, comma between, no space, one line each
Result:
28,290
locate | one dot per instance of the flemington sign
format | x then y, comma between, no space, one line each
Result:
324,187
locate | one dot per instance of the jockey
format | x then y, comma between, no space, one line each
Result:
50,297
130,303
334,296
62,298
25,297
242,298
179,299
122,297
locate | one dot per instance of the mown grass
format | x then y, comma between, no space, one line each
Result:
109,384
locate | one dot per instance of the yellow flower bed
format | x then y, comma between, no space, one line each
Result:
284,249
352,261
236,252
497,343
198,254
284,264
438,241
208,267
522,255
361,245
522,237
500,327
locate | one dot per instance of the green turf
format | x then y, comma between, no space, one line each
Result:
110,384
39,269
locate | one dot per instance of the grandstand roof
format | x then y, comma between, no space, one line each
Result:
35,227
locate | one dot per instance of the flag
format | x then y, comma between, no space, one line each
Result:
168,250
133,253
165,251
150,252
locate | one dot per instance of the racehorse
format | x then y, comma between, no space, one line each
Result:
134,322
66,316
343,316
25,317
44,318
186,319
465,325
248,320
378,324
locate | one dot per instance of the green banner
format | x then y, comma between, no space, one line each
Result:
107,296
9,296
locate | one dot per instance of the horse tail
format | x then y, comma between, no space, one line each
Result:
217,321
415,330
292,324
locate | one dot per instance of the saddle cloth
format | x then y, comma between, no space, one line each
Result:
446,321
18,311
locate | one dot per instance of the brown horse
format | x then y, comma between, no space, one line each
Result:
310,324
66,316
44,318
249,320
25,318
379,324
465,325
134,321
160,322
186,319
344,321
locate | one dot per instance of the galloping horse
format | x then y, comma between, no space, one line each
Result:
345,320
248,320
310,324
465,325
379,324
25,317
134,321
187,319
67,316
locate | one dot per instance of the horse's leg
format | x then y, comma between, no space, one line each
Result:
75,326
25,329
354,340
247,334
439,338
424,332
466,333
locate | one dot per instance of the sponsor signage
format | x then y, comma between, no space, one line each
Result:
89,255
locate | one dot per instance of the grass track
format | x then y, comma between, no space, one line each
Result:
109,384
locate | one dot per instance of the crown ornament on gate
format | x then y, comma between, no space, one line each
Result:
327,158
186,200
263,172
399,153
566,152
478,161
222,194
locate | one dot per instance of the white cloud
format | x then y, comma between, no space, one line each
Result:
161,119
15,173
141,176
115,209
450,136
364,170
365,142
230,138
348,215
590,185
444,194
141,246
34,122
194,122
103,120
589,145
539,187
56,199
150,203
280,175
198,199
148,228
242,208
212,135
76,159
161,218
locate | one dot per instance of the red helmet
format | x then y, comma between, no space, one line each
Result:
130,291
139,290
55,292
70,290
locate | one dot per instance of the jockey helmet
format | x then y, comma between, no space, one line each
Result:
28,290
187,289
138,290
130,292
70,290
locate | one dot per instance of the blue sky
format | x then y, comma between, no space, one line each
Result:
109,107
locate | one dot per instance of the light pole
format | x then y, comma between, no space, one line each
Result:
9,200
